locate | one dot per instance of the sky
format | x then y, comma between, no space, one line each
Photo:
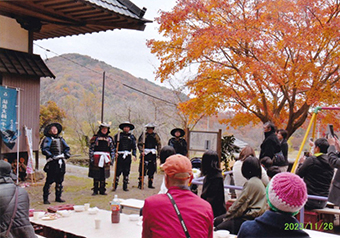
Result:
123,49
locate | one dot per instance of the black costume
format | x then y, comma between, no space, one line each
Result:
127,146
151,151
270,145
100,152
56,150
178,143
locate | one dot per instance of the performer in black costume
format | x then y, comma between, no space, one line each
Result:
56,150
151,152
179,143
126,148
100,152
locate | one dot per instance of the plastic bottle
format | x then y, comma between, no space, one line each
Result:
115,210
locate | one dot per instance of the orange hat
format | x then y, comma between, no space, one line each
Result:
178,167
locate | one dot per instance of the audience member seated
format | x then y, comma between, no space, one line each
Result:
213,189
286,194
160,218
250,204
166,151
317,174
13,201
239,179
266,162
272,171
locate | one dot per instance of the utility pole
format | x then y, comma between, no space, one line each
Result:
103,93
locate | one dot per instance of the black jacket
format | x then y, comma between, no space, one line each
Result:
317,174
272,224
270,145
284,148
179,144
334,161
213,192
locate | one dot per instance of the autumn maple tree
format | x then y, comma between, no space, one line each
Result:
50,113
262,60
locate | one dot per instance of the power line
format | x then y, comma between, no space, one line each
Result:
97,72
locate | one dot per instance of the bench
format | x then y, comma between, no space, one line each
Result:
135,204
327,214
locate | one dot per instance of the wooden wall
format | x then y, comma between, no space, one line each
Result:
29,108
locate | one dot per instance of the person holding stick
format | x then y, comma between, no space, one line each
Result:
125,146
149,145
100,152
56,150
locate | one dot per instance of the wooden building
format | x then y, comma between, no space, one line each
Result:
21,22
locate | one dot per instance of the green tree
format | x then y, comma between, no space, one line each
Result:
228,150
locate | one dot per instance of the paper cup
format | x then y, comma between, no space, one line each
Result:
86,206
36,215
97,223
221,234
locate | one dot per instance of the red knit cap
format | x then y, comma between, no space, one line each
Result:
287,192
178,166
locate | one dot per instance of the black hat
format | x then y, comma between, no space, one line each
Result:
126,124
48,128
173,131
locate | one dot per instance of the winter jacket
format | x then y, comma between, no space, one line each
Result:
284,148
334,161
213,192
270,145
252,201
160,219
272,224
240,180
317,174
21,227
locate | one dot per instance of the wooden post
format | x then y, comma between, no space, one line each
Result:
187,138
116,161
219,145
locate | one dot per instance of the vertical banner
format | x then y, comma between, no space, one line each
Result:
28,133
8,116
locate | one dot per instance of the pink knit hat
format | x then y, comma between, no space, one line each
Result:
286,192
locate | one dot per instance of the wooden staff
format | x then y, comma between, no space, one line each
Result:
143,155
116,161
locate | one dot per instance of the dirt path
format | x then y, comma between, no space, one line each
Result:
77,188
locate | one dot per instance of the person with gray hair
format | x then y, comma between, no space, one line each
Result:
14,206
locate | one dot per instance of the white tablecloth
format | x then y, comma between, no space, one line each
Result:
82,224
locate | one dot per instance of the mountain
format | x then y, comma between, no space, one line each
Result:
76,73
77,89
